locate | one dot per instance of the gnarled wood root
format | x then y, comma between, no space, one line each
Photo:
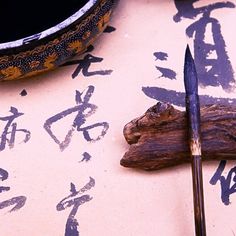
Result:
159,138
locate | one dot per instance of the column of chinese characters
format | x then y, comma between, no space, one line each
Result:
16,202
83,109
75,200
213,66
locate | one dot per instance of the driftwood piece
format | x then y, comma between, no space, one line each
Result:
159,138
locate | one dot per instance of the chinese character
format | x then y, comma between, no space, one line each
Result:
84,65
75,200
18,202
9,132
213,65
212,62
83,110
228,183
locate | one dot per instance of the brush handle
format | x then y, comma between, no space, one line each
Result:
194,131
198,196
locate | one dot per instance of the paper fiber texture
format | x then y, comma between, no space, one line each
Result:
61,134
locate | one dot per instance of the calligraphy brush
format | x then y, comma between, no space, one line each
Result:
193,115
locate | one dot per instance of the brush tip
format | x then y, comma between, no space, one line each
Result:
190,74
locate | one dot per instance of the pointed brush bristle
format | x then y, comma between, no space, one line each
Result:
190,74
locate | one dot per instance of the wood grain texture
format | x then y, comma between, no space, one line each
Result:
159,138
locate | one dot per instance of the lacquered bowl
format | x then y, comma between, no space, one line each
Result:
47,37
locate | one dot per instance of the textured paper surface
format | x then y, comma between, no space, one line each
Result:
143,63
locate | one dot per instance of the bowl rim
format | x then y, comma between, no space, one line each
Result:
50,31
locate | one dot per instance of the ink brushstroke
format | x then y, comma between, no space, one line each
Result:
178,98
